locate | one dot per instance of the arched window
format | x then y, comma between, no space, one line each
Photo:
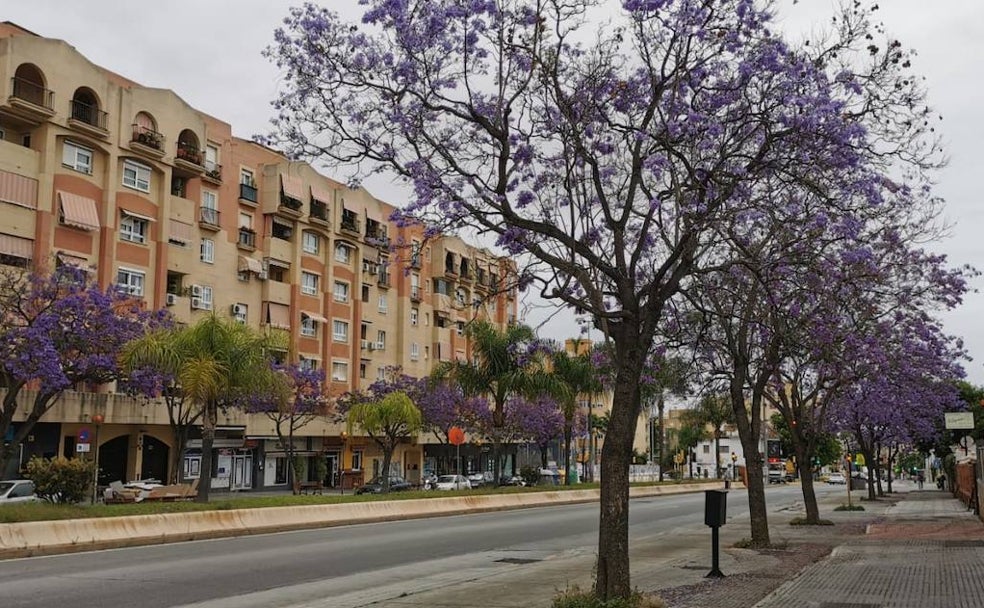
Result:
29,85
188,147
145,131
85,108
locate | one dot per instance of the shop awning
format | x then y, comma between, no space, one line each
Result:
278,315
314,316
139,216
78,211
16,246
248,264
180,232
293,187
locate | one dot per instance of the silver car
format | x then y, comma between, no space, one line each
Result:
17,490
453,482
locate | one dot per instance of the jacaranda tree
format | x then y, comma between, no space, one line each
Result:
58,329
605,156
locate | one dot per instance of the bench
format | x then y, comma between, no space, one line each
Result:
312,487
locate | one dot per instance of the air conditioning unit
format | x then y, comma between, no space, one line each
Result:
262,275
236,310
170,299
200,304
196,292
365,345
380,345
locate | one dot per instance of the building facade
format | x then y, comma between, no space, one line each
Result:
144,191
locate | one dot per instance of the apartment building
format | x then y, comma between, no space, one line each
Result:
144,191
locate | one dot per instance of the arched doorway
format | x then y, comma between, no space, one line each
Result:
155,459
28,85
112,460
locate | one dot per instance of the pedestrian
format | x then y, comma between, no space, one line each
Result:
920,479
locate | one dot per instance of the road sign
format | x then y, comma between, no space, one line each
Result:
84,435
83,447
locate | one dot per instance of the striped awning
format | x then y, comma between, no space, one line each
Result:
78,211
18,190
314,316
278,315
16,246
181,232
248,264
293,187
279,263
139,216
69,259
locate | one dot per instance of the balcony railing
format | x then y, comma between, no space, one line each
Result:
384,279
88,114
415,261
247,238
213,171
350,223
291,203
208,216
319,211
415,293
32,93
147,137
248,193
189,152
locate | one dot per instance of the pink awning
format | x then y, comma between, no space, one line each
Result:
293,187
16,246
78,211
314,316
248,264
278,315
181,232
318,194
18,190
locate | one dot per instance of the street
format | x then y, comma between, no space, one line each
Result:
382,560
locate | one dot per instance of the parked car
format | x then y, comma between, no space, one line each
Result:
476,479
837,478
513,480
453,482
777,475
375,485
16,491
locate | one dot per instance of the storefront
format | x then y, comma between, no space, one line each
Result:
233,459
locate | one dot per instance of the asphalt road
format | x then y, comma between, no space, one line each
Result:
345,559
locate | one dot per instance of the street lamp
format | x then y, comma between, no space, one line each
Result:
341,484
734,466
97,419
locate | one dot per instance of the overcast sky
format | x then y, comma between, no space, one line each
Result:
208,52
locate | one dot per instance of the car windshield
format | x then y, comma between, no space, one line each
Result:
4,486
446,479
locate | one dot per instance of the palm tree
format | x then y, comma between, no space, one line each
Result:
216,364
506,363
388,421
670,376
578,378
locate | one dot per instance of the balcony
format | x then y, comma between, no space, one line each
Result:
290,206
415,261
187,156
247,239
415,295
248,194
319,213
350,223
208,219
30,100
384,280
213,173
88,118
147,141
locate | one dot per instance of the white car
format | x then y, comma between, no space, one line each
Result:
837,478
16,491
452,482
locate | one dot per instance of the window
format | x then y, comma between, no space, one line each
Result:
365,293
441,287
133,229
309,283
307,363
339,371
211,157
309,327
310,242
382,302
414,351
356,460
246,221
343,253
414,316
239,312
210,200
380,340
131,281
246,177
461,296
707,449
339,331
208,251
282,230
461,328
381,374
136,176
77,158
205,300
341,291
280,471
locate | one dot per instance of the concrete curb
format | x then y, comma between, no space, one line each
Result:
74,535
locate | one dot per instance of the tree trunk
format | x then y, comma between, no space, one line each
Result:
871,485
567,454
543,456
612,576
388,450
757,512
209,421
661,440
177,454
804,455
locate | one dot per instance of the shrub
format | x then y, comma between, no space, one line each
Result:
802,521
575,597
530,475
849,508
61,480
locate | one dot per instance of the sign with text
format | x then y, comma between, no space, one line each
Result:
83,447
959,420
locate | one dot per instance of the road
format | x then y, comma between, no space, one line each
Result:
294,567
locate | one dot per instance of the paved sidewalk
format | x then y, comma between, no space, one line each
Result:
927,553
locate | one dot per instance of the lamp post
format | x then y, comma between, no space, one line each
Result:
734,466
341,483
97,419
